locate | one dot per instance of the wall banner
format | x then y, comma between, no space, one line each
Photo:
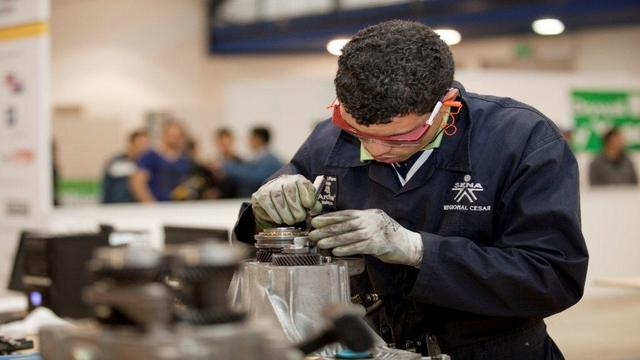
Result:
597,111
25,143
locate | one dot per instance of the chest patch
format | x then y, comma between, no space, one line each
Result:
466,196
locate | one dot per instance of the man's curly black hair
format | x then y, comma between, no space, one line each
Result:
391,69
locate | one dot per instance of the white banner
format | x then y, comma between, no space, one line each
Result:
25,143
19,12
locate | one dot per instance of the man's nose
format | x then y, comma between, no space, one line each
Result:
376,148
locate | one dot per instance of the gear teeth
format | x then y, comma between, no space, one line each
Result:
264,255
296,260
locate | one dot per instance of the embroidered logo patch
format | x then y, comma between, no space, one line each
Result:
466,190
465,195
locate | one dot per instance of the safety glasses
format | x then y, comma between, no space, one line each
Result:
408,139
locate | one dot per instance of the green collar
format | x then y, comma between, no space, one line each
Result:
366,156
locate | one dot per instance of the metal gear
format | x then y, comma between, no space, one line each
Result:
296,260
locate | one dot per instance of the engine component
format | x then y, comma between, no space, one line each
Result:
204,273
9,345
127,291
288,241
278,237
139,317
296,259
295,296
292,296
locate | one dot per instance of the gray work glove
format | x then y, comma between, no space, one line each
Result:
286,199
371,232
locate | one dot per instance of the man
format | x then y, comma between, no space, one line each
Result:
612,167
224,142
115,179
248,176
470,223
201,183
161,171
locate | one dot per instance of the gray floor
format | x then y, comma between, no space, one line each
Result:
599,328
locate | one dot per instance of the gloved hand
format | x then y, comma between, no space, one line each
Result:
285,199
372,232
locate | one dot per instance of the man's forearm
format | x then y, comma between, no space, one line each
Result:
140,190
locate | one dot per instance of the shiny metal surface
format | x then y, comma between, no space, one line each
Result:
292,296
277,238
296,298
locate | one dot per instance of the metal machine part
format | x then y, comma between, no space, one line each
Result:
278,237
139,316
292,296
127,290
298,253
289,241
8,345
204,273
295,298
138,319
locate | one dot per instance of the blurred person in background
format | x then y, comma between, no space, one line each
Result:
200,184
161,170
115,178
248,176
224,142
612,166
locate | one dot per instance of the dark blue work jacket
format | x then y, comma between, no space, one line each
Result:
498,209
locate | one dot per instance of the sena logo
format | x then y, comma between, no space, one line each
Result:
466,190
467,193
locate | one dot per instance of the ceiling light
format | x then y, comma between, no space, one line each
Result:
334,47
449,36
548,26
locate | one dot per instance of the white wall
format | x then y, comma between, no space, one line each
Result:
119,59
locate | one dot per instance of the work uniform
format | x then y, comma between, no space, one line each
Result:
497,206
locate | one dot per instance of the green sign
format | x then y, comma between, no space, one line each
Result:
595,112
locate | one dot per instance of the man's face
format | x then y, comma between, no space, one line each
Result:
255,143
225,143
140,144
385,153
174,137
616,143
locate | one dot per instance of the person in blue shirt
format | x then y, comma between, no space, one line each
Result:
465,206
115,179
249,175
161,170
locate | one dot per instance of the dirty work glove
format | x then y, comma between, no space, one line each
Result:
372,232
286,199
